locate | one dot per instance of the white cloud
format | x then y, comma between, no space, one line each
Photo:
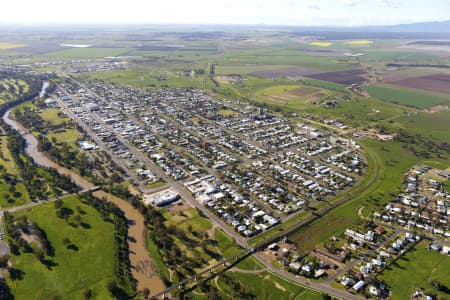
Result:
350,3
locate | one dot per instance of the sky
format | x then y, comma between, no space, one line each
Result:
279,12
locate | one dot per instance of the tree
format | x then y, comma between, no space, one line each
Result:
146,292
88,294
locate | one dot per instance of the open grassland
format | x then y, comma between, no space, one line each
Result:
73,271
7,46
324,84
405,96
415,270
433,125
147,78
321,44
285,94
268,286
90,52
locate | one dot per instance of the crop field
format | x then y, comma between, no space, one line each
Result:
280,56
404,96
321,44
73,271
435,83
359,42
415,270
343,77
402,56
7,46
285,72
246,69
90,52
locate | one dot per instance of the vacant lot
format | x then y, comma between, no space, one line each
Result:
436,83
404,97
343,77
285,72
415,270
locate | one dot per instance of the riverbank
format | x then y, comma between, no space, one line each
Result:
141,263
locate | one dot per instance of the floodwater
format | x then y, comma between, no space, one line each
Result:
142,266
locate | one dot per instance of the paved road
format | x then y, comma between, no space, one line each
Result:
174,184
241,241
97,140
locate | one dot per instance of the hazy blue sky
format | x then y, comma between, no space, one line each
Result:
288,12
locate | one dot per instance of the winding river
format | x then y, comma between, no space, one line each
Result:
142,266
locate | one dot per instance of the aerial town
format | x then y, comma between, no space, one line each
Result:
166,152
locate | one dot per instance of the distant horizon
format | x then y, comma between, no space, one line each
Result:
304,13
100,24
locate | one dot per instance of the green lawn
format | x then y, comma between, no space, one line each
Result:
89,267
415,270
51,116
408,97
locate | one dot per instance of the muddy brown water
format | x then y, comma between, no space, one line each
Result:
142,266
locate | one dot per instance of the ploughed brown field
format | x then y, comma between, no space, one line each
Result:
343,77
285,72
436,83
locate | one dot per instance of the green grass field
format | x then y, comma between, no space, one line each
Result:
89,267
404,96
415,270
269,286
51,116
